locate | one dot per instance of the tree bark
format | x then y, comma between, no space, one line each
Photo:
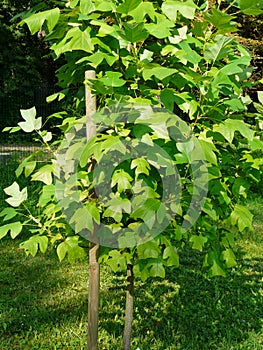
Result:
129,309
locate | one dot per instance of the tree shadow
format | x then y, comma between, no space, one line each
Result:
189,310
34,292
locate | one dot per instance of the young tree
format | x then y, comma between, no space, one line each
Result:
159,183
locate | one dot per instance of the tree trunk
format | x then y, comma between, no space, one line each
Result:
128,309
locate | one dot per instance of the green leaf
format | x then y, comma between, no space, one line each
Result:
229,258
75,39
33,243
216,270
144,8
22,166
94,211
15,228
97,58
44,174
219,49
171,255
158,71
31,123
122,179
242,217
105,5
127,6
82,220
221,20
157,270
16,196
62,250
36,21
190,55
48,191
235,104
117,260
8,213
134,32
208,149
141,166
113,79
71,247
148,250
116,206
161,29
86,6
251,7
198,242
230,126
186,9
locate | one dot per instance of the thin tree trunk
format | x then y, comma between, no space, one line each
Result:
129,309
94,268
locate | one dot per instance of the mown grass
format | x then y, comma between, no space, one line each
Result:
43,304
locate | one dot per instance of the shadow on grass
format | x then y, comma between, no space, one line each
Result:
190,311
186,311
35,292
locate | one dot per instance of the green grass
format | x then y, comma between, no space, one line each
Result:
43,304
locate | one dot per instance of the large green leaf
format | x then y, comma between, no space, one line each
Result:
251,7
161,29
230,126
127,6
158,71
44,174
134,32
16,196
8,213
144,8
242,217
70,247
229,257
86,6
31,123
36,21
198,241
14,227
186,8
122,179
157,269
219,49
148,250
82,220
170,253
75,39
141,166
221,20
33,243
113,79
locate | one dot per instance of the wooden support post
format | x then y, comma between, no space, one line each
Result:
94,268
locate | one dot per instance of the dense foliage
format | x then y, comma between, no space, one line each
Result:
181,56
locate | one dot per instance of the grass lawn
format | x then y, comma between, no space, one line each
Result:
43,304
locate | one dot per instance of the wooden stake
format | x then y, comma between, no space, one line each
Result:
94,268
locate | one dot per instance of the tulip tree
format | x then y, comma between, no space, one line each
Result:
170,86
